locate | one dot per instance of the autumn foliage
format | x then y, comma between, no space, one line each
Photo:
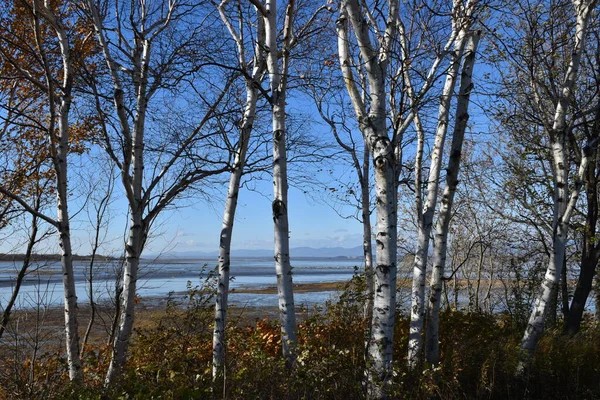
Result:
172,355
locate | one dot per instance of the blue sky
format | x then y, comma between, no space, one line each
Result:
312,221
196,226
312,224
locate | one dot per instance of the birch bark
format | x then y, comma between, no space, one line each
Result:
367,235
278,87
564,203
147,194
375,58
425,216
64,232
445,213
251,83
59,149
57,83
133,181
373,128
283,268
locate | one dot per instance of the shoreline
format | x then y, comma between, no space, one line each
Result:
298,288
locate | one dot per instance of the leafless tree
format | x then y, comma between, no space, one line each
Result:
153,51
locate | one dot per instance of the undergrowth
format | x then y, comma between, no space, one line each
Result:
171,359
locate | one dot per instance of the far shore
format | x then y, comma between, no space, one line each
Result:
19,257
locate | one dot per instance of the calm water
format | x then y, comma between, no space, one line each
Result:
157,279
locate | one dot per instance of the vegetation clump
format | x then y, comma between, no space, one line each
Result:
171,358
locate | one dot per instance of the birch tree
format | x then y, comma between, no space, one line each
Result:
385,152
445,213
278,61
425,213
373,128
564,199
254,72
590,252
28,55
150,48
539,51
278,79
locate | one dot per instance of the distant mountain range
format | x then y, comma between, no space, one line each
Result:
323,252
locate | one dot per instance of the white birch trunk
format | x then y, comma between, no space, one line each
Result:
59,105
373,128
384,303
225,246
487,299
367,234
359,108
137,228
283,268
127,300
425,217
445,213
130,271
219,344
59,152
141,195
563,202
64,232
478,282
414,357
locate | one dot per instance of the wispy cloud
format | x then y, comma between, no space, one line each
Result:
347,240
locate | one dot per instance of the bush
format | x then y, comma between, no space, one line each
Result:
171,359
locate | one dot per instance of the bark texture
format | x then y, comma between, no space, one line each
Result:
564,203
59,150
373,129
367,235
219,343
445,213
425,216
132,175
278,88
